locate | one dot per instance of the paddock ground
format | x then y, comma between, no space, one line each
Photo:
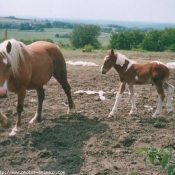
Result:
86,142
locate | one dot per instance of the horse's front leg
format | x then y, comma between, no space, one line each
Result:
21,96
118,97
41,96
133,105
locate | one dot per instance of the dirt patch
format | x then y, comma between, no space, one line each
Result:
86,142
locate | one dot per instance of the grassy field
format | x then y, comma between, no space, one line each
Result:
31,34
47,34
103,38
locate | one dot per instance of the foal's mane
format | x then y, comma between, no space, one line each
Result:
15,56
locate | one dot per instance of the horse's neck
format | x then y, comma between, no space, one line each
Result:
122,68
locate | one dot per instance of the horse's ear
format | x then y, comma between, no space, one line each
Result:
112,52
9,47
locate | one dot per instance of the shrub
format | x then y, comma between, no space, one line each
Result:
160,156
87,48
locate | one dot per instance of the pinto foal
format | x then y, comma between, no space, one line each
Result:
132,73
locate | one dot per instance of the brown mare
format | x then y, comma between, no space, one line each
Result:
30,67
132,73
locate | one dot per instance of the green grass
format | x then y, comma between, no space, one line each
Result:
141,56
47,34
31,34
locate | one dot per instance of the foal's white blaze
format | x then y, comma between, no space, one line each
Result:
103,64
101,68
4,61
4,86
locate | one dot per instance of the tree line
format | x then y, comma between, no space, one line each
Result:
33,25
121,38
154,40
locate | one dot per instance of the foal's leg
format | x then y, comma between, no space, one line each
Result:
161,96
118,97
41,96
170,89
21,96
133,106
67,89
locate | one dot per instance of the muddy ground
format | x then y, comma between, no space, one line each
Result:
86,142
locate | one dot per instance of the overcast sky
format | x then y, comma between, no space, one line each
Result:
119,10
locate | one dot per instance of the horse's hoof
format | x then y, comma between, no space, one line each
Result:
110,116
71,108
154,115
131,112
14,131
169,110
35,119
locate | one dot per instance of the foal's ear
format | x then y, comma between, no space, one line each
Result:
9,47
112,52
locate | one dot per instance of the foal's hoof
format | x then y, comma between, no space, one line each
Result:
110,116
71,109
35,119
14,131
154,115
170,109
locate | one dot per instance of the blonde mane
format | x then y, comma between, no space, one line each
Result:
15,56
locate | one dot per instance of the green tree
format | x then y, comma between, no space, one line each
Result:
168,39
113,41
137,38
126,40
84,35
153,41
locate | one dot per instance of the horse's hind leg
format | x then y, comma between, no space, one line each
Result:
131,93
61,77
170,88
161,96
41,96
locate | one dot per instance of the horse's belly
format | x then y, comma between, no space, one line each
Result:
142,80
38,82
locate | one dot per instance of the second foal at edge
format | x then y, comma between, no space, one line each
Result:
132,73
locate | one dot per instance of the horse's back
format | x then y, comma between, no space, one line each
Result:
160,69
45,59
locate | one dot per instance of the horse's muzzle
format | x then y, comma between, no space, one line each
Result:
103,71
